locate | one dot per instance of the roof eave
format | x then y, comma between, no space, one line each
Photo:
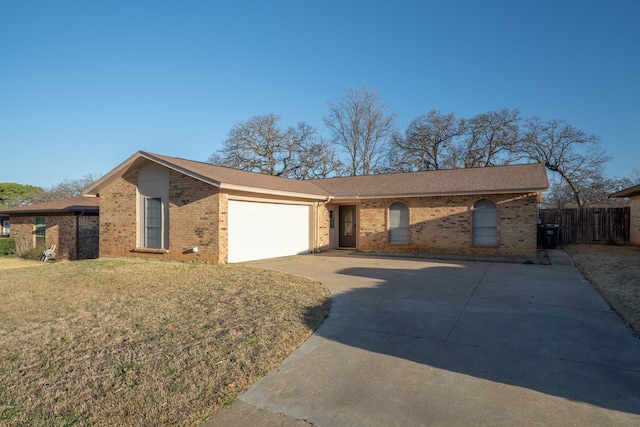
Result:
270,192
440,194
50,211
627,192
93,189
120,170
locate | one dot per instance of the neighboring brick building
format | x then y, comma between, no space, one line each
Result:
70,224
170,208
633,193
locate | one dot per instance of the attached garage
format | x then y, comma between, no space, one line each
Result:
259,230
212,213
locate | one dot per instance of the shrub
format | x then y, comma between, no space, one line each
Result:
34,254
23,246
7,246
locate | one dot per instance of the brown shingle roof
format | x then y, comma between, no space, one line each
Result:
73,204
237,179
490,180
493,180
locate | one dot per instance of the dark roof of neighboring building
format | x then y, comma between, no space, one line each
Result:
73,204
491,180
628,192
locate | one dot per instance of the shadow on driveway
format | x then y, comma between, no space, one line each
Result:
536,327
413,342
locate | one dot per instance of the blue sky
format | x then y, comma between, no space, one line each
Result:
85,84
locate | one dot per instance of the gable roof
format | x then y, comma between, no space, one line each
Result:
491,180
627,192
72,204
218,176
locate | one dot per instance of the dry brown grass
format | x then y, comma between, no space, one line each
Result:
121,342
12,261
615,272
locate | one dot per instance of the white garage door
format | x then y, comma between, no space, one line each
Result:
267,230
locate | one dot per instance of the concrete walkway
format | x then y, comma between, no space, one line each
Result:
559,258
420,343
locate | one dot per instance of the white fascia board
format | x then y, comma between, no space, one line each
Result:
91,190
256,190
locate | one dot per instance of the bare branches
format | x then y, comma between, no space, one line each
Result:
427,143
572,153
363,141
359,125
261,145
488,138
437,140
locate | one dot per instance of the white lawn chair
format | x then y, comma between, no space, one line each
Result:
49,254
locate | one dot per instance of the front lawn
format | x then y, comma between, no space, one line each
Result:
123,342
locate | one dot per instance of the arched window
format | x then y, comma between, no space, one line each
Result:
485,223
398,223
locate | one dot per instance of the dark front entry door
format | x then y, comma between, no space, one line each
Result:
347,228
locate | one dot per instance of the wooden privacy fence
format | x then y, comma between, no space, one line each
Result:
590,225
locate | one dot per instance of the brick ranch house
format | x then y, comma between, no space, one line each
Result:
70,224
170,208
633,193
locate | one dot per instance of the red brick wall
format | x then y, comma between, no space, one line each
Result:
445,225
23,229
118,211
193,214
60,231
322,240
198,218
193,221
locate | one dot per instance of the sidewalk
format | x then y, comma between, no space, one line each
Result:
559,257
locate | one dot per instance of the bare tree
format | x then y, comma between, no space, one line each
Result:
488,139
69,188
572,153
261,145
360,125
560,194
426,144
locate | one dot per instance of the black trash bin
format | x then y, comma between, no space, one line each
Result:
550,236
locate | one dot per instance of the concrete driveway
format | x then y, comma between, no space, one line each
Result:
423,343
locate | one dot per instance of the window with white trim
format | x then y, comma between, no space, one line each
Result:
398,223
485,223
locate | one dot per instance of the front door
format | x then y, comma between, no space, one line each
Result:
347,227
